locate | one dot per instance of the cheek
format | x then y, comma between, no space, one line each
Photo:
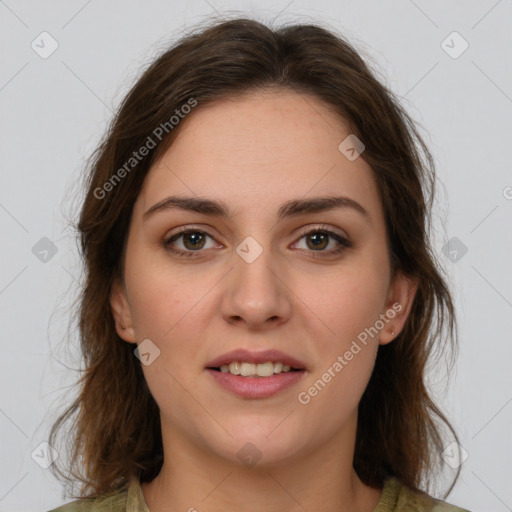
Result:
347,303
334,391
167,309
163,295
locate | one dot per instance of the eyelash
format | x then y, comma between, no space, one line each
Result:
344,243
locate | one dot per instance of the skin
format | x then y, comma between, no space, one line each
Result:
254,153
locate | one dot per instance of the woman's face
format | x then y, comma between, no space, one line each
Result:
254,279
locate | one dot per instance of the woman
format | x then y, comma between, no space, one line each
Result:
261,296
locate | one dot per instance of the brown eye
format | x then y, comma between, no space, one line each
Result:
193,241
317,240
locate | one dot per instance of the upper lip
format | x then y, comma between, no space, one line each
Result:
250,356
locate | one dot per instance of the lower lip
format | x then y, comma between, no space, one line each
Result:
256,387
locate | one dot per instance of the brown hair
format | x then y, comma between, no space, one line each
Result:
116,431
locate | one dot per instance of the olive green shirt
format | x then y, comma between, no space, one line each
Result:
395,498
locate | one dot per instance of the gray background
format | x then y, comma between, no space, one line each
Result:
54,110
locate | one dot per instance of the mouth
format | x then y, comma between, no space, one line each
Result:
235,368
256,375
250,363
261,370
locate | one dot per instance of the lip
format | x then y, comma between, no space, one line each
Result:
256,387
249,356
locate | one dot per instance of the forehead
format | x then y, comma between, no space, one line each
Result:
258,149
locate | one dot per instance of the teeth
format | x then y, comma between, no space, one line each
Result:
250,369
234,368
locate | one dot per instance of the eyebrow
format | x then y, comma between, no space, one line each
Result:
291,208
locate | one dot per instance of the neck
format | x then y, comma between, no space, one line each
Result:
321,479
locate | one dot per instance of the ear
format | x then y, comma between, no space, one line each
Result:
121,312
398,305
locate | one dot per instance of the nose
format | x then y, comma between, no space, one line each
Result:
257,293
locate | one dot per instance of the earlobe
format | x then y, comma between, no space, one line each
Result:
121,312
400,300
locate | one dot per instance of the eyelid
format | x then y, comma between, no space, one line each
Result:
323,227
189,229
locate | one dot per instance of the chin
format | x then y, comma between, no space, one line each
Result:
265,445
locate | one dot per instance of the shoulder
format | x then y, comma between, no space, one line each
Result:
397,497
410,500
114,501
